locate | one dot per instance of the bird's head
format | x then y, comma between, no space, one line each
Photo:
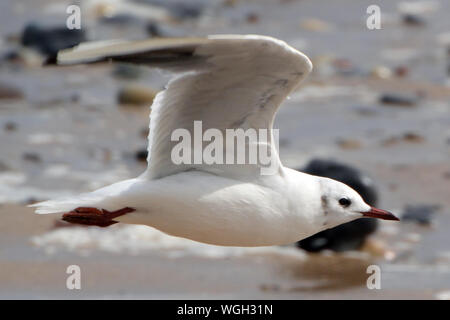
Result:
341,204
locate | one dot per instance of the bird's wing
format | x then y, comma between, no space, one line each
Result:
226,81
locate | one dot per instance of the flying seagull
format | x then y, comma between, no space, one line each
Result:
226,82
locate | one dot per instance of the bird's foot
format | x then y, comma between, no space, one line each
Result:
94,217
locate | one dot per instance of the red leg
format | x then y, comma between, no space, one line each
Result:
94,216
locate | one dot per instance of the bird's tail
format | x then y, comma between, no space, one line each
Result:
108,198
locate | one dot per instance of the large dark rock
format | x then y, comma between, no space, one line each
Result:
49,41
350,235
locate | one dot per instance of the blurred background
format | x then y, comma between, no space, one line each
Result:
375,114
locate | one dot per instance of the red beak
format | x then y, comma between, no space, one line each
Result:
381,214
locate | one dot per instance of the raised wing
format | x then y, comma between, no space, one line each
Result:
226,82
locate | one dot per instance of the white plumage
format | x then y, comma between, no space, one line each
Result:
227,82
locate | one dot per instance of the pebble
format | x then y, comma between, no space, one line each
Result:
349,144
141,155
401,100
381,72
136,95
127,71
31,157
413,20
317,25
407,137
10,126
3,167
252,17
421,214
9,93
401,71
345,67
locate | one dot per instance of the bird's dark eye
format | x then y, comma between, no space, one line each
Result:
345,202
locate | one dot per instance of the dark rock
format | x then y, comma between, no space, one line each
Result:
3,167
141,155
10,126
49,41
158,30
145,132
7,92
401,71
184,10
252,17
413,137
396,99
12,56
154,30
345,67
413,20
31,157
179,9
409,137
121,19
136,95
127,71
349,144
350,235
421,214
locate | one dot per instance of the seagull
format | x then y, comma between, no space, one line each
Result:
226,82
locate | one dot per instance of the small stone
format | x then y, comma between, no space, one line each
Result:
413,20
381,72
401,100
154,30
3,167
136,95
313,24
349,144
9,93
407,137
31,157
127,71
401,71
345,67
229,3
49,41
421,214
390,141
252,17
413,137
141,155
10,126
145,132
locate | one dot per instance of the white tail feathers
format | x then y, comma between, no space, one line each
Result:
108,198
64,205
